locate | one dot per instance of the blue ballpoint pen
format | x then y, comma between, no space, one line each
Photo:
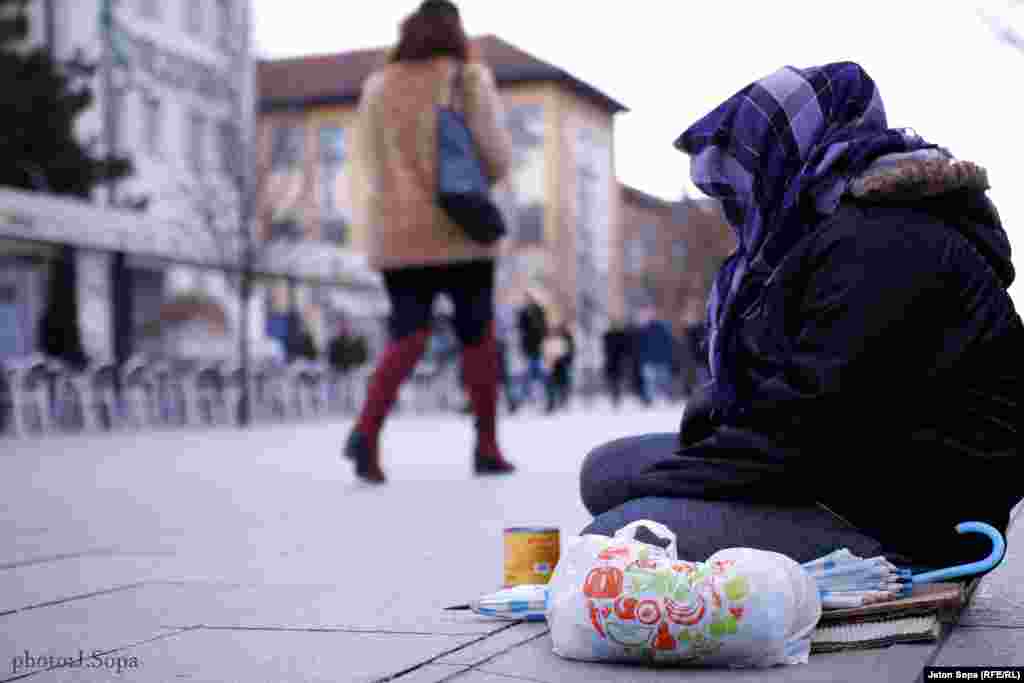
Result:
519,603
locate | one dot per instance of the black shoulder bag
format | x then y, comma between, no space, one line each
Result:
462,187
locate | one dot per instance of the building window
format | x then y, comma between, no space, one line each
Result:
332,156
679,252
649,234
194,16
639,297
195,141
334,209
332,145
286,147
150,9
334,231
285,229
147,296
636,255
530,228
230,148
152,125
225,24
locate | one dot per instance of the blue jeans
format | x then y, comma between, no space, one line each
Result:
657,380
534,373
608,482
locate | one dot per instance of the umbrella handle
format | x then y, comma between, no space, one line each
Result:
994,557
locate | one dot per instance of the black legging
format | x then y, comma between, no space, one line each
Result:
412,291
705,526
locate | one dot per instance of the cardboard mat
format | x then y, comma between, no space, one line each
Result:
916,618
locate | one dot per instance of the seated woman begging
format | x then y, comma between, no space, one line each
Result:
866,362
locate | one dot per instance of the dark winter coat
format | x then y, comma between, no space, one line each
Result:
656,343
616,352
347,351
882,378
533,328
561,368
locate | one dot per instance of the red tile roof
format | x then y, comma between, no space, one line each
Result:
301,82
634,196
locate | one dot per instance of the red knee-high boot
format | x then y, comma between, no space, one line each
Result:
395,364
480,368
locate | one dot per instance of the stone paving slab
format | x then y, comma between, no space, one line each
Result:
497,645
251,656
103,622
64,579
983,646
535,661
313,607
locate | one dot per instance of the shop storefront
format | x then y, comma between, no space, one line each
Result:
136,280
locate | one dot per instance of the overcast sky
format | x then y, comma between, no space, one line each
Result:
937,64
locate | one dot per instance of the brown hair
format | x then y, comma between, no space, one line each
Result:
433,30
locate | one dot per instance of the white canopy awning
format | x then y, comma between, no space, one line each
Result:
58,220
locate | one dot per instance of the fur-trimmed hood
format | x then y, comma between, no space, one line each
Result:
915,175
951,188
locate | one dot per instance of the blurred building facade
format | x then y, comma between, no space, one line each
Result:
176,95
561,200
669,253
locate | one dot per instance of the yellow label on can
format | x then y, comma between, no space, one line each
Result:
530,555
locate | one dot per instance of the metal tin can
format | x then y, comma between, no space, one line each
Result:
531,554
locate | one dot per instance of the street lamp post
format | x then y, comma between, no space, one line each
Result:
246,196
120,277
110,55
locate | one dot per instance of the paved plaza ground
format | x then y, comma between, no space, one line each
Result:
227,555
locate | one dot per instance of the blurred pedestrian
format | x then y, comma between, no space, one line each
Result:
347,350
616,358
559,353
504,326
656,355
300,344
533,329
419,250
634,365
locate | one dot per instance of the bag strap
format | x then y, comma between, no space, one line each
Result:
455,89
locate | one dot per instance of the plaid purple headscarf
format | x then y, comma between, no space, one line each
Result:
778,155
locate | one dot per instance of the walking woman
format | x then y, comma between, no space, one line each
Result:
418,249
867,386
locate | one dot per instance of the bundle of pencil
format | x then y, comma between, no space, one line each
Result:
846,580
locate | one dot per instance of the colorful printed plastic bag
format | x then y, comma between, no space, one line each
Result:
618,599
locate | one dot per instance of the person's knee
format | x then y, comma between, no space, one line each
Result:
601,486
608,471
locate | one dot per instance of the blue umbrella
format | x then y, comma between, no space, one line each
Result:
845,580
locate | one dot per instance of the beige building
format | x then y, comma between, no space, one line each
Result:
562,199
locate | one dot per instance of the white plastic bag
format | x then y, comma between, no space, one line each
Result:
618,599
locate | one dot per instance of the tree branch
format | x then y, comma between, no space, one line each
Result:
1002,31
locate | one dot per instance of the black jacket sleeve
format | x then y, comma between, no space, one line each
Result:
850,305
